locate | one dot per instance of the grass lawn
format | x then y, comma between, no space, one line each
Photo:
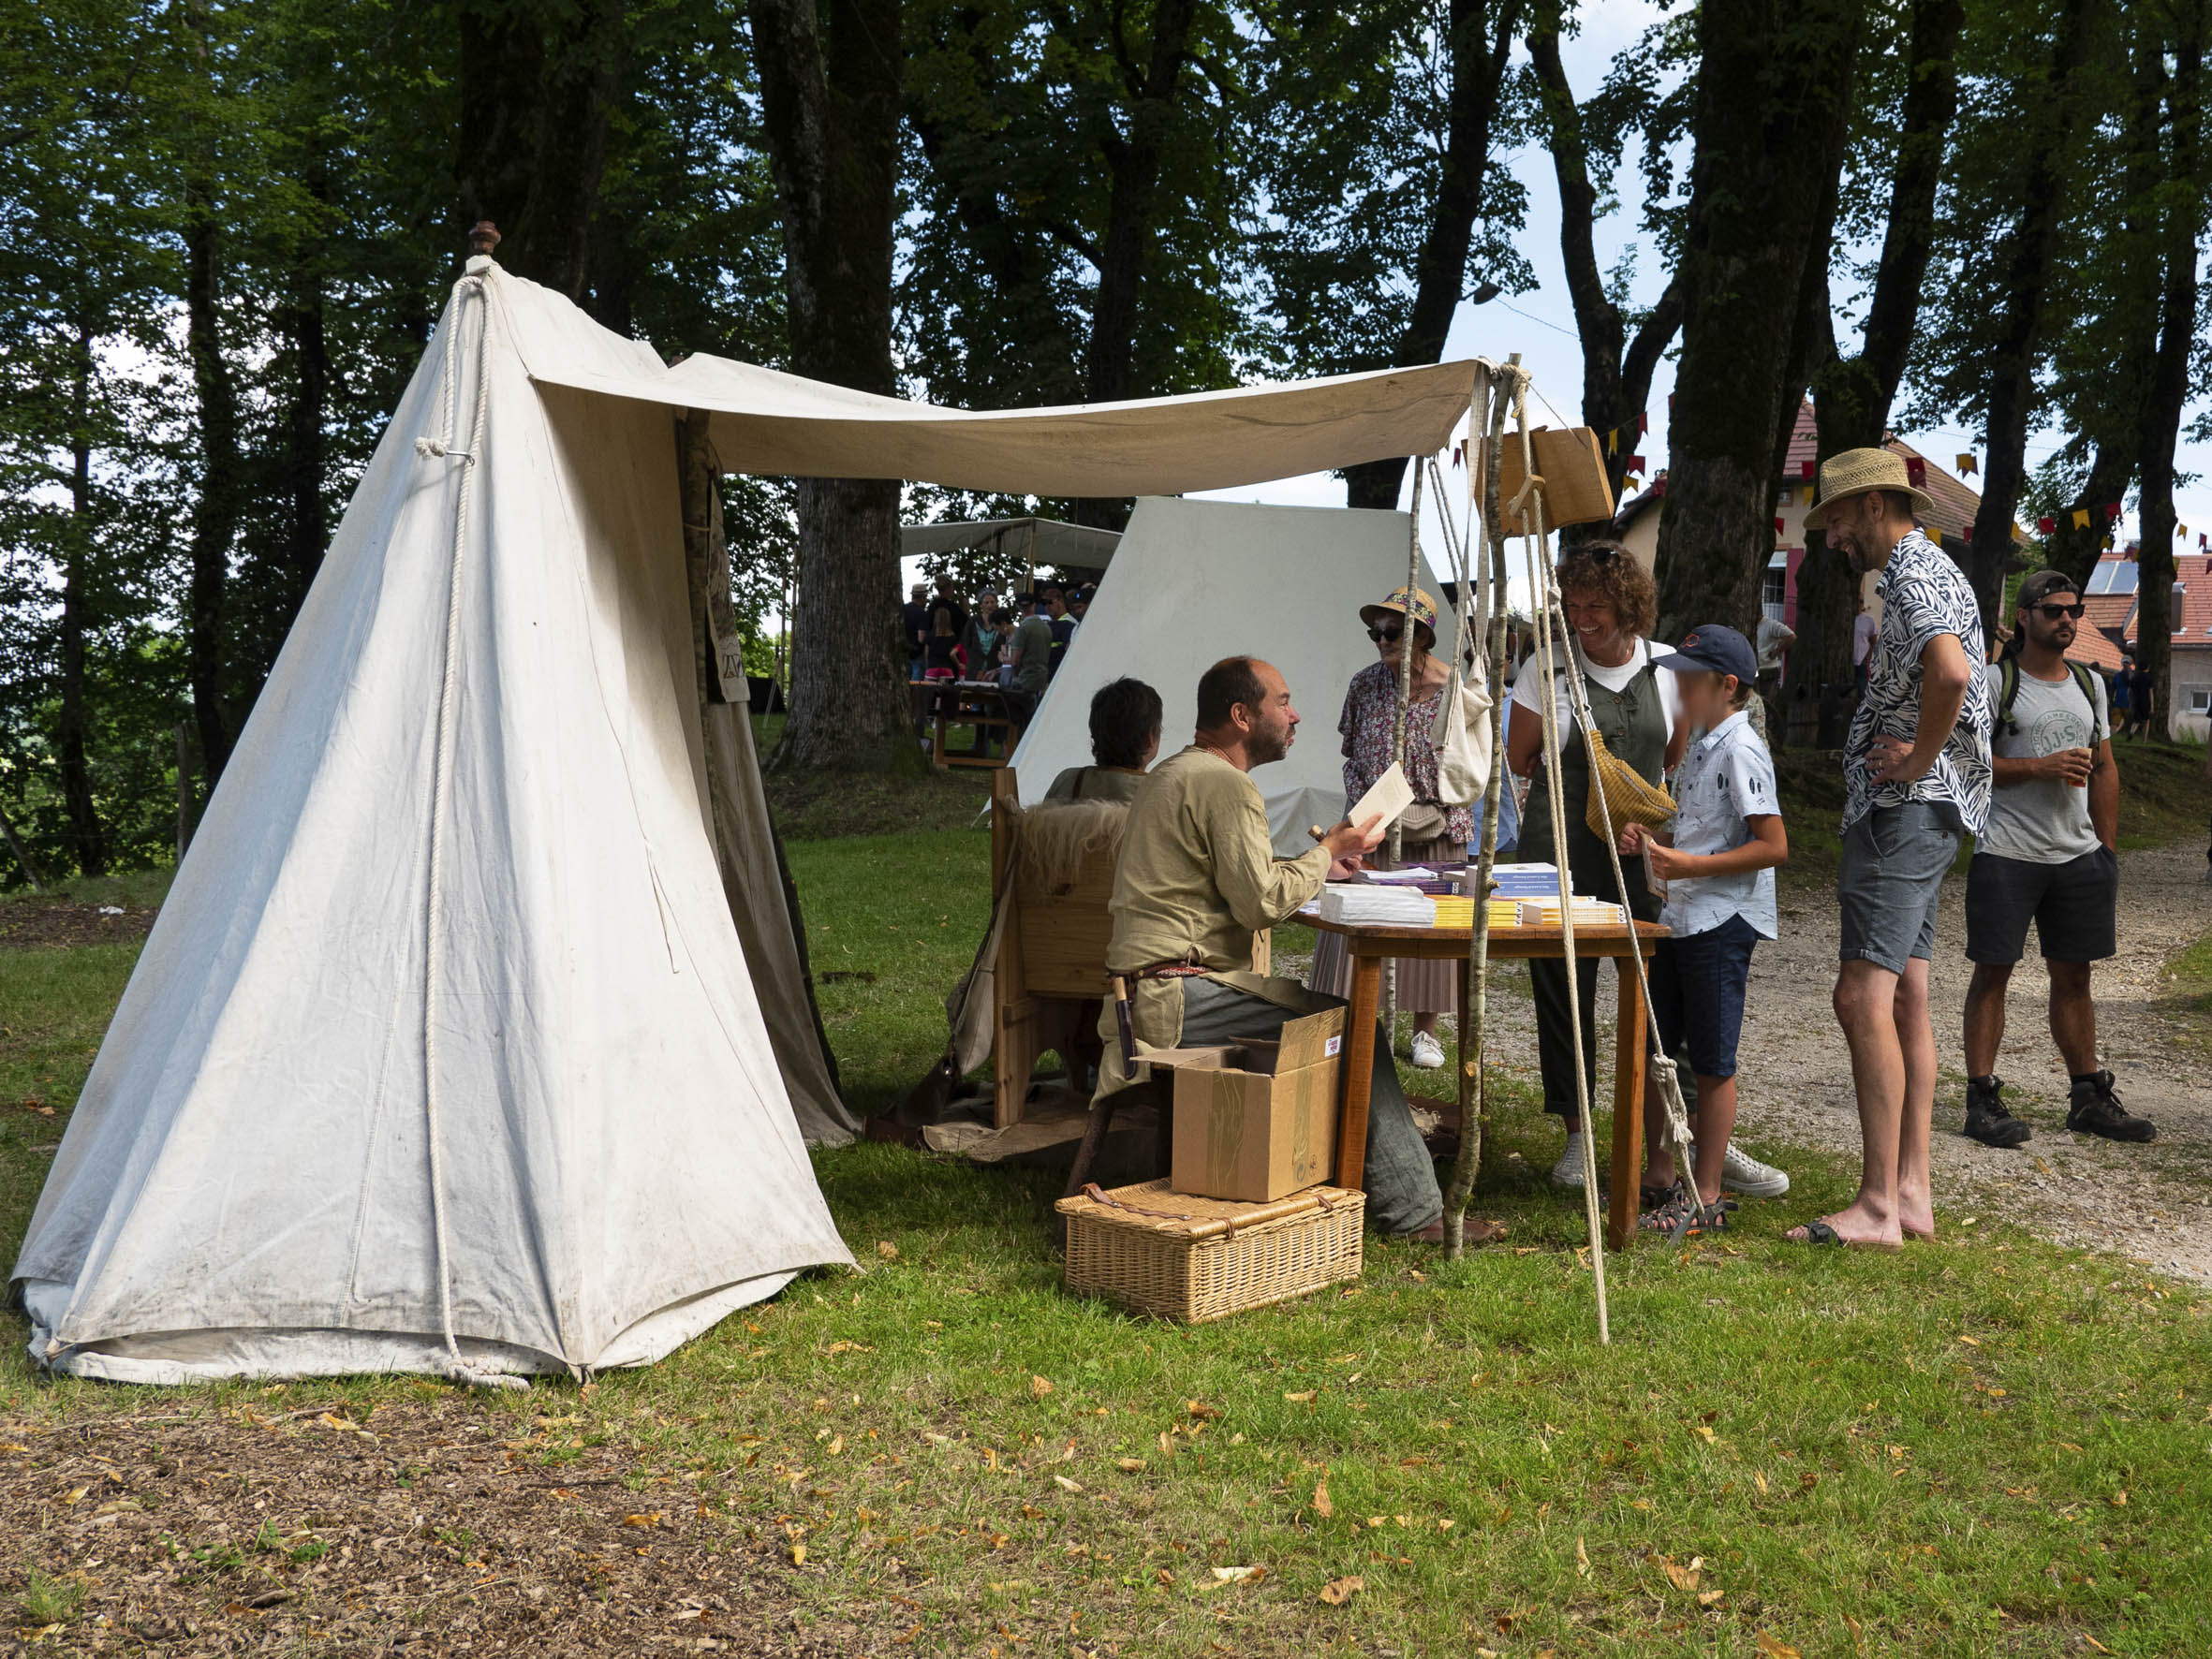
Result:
1980,1445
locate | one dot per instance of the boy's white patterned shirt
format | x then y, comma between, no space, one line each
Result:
1922,595
1727,778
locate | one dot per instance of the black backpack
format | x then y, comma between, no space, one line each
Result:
2009,689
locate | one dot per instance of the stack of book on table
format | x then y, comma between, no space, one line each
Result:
1587,912
1391,905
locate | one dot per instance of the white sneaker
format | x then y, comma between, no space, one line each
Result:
1740,1172
1568,1171
1428,1054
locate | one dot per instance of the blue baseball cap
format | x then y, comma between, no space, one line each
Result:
1716,647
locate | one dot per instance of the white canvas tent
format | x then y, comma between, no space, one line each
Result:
446,1052
1039,541
1194,582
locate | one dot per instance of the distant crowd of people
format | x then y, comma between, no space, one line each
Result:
1015,644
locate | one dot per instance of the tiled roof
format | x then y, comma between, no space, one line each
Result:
2194,626
2095,649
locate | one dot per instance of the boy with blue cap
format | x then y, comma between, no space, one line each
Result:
1718,862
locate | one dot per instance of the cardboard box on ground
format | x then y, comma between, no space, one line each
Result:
1256,1119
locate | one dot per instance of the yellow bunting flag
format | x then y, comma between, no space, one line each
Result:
1935,536
2081,517
1965,462
1612,442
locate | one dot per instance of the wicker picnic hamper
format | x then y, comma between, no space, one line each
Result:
1162,1252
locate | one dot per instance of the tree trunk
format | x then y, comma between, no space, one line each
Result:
539,83
1761,210
1852,396
87,841
1481,44
1616,372
830,108
2075,550
2032,250
2183,208
215,518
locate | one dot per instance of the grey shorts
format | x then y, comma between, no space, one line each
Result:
2075,907
1894,860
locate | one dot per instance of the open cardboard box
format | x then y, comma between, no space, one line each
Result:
1256,1119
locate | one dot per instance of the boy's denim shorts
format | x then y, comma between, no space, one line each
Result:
1697,991
1894,860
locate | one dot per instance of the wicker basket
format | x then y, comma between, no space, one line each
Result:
1182,1257
1633,798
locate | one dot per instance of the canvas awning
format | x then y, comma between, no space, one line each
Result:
1041,541
784,425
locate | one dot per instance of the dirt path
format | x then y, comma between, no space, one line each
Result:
2152,1204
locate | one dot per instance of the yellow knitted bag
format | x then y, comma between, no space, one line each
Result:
1627,794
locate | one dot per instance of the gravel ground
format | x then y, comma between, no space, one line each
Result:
2152,1204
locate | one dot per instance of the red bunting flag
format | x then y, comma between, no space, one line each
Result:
2046,526
1916,471
1670,403
2202,541
1636,464
1807,469
2111,511
1778,527
1643,423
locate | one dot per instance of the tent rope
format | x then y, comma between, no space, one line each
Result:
479,1373
1543,584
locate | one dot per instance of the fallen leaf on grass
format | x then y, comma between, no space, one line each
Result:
1238,1574
798,1555
1581,1560
1708,1597
1682,1578
2095,1643
1759,1480
887,1250
2119,1500
1773,1646
842,1346
1704,1433
1067,1485
644,1520
1321,1506
1128,1464
330,1421
1336,1592
1971,1342
1040,1387
1301,1398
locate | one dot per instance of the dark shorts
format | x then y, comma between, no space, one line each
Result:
1697,990
1894,860
2074,907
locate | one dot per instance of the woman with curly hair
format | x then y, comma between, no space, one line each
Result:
1611,607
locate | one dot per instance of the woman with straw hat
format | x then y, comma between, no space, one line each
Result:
1434,833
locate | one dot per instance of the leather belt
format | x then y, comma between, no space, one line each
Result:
1184,969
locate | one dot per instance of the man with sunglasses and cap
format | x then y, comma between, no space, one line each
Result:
2046,857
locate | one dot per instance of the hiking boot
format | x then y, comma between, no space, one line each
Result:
2095,1109
1987,1120
1568,1171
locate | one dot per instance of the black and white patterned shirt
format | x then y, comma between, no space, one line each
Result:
1922,595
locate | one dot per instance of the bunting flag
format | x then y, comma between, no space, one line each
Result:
1916,472
1643,423
1778,527
2046,526
2182,531
1636,464
2111,511
1808,470
1612,442
2081,517
1935,536
2202,541
1965,462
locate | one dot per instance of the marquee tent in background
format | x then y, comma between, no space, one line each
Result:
1194,582
471,1038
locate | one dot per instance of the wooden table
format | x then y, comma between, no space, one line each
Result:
978,703
1369,944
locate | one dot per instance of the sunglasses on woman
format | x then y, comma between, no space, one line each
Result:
1383,636
2053,613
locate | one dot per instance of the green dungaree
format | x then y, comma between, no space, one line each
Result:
1633,723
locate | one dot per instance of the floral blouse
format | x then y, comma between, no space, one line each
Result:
1370,706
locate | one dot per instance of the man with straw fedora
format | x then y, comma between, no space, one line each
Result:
1916,781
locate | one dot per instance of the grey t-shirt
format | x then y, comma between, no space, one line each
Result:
2042,822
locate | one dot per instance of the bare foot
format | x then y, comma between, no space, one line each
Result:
1852,1226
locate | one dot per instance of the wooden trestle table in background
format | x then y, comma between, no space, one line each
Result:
1369,944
